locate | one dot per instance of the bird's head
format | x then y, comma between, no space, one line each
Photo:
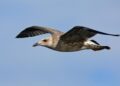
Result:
47,42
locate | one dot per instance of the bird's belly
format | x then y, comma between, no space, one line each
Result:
69,47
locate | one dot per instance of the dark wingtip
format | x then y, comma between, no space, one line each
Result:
21,35
117,35
17,36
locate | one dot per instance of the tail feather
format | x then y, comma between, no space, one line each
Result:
106,47
97,48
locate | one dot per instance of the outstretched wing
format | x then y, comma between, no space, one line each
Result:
80,33
36,30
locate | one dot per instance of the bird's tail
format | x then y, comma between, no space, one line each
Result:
97,48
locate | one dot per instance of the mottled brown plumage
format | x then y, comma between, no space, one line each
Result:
74,40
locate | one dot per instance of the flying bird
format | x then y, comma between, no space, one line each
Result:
78,38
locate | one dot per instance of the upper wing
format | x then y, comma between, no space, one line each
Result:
36,30
80,33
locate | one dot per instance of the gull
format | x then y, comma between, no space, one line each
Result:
76,39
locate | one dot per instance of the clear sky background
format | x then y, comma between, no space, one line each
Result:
23,65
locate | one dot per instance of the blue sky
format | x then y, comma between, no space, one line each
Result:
23,65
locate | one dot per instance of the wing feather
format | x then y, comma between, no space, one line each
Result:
81,33
36,30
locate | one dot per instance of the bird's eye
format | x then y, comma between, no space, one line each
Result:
45,40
